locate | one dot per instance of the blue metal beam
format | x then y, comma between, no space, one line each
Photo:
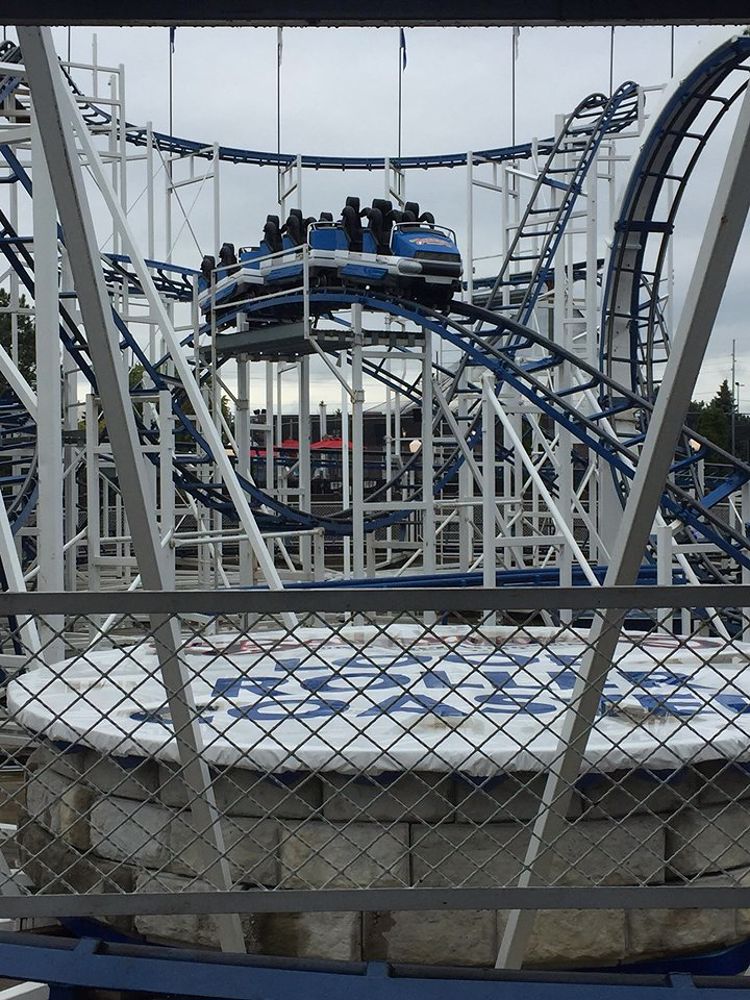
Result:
93,964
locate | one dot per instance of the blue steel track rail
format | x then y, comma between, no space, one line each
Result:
499,349
583,133
633,348
621,456
177,146
93,964
479,350
634,343
482,351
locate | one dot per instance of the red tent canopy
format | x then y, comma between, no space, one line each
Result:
329,444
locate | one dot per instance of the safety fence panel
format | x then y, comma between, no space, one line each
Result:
370,741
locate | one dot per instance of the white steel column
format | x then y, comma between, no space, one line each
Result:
705,290
489,505
172,345
428,448
242,436
346,555
71,452
469,255
166,482
465,486
305,484
358,473
745,510
57,114
49,393
15,582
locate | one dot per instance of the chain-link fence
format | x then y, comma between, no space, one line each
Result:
373,751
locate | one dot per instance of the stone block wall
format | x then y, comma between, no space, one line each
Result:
95,824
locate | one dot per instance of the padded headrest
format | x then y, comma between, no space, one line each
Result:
271,233
353,202
208,264
326,217
383,206
227,254
293,226
412,208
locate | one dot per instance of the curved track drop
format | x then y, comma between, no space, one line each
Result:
594,409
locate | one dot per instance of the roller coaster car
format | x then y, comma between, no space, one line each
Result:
403,252
400,252
219,285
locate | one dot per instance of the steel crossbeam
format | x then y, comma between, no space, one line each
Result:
710,275
56,129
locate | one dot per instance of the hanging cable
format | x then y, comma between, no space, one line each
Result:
171,80
171,120
279,52
401,68
671,52
514,57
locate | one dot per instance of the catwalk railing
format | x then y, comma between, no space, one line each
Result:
367,750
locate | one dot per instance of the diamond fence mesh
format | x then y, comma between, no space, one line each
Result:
399,741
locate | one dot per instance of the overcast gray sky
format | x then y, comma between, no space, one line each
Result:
339,95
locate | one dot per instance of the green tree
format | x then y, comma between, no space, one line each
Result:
724,399
26,341
713,420
713,424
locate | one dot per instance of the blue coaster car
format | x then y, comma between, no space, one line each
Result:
402,253
224,285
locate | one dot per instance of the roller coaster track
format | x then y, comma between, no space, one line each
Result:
579,140
564,409
500,350
590,409
633,345
542,226
97,118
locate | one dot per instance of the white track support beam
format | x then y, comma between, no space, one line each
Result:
704,295
305,478
14,579
489,504
428,467
242,433
466,474
358,445
19,385
167,500
53,110
49,395
558,516
26,991
470,227
158,311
